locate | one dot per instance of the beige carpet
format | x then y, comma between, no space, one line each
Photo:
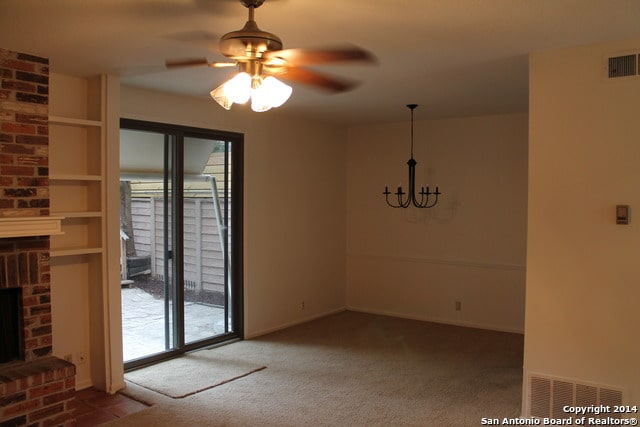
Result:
193,373
355,369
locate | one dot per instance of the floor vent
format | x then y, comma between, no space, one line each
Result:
548,396
625,64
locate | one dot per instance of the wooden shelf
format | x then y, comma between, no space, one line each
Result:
60,252
71,177
80,214
69,121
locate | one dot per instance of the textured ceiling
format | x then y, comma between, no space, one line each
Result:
453,57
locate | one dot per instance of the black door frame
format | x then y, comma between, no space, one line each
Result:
179,132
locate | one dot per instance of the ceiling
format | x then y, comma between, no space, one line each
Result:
452,57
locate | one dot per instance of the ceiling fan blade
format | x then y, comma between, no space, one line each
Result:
191,62
197,62
170,9
294,57
222,64
318,80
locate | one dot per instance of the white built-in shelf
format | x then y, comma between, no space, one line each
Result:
72,177
70,121
30,226
74,251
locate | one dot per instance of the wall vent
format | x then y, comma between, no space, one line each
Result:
623,66
548,396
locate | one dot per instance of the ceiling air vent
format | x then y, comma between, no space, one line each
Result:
623,66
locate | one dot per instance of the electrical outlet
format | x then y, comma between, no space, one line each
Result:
458,305
80,358
302,305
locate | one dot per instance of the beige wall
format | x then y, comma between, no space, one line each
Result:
582,269
294,205
469,248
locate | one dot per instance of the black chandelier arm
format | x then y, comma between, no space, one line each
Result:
399,194
426,205
425,195
425,198
424,201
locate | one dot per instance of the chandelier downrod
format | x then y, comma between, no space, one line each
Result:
425,201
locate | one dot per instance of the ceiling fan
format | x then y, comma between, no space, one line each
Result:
259,56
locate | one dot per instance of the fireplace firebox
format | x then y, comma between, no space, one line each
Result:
10,324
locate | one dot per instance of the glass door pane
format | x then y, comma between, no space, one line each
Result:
148,294
207,233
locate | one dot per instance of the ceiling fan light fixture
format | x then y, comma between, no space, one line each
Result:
259,55
277,91
265,92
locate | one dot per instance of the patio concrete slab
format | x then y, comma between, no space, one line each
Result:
143,324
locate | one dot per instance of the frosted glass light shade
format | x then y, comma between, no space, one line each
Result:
259,97
271,93
238,89
219,96
277,92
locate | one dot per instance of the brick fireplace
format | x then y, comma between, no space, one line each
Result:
36,388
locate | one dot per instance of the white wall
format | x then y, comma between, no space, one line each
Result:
294,204
469,248
582,269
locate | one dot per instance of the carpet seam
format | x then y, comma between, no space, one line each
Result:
191,393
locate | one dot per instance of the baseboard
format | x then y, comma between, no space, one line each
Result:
116,387
294,323
81,385
475,325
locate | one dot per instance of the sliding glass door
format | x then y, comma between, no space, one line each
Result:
181,234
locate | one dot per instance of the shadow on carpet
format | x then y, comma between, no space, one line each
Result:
192,373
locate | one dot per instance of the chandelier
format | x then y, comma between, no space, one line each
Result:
425,199
265,92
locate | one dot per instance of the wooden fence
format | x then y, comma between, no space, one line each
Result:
203,257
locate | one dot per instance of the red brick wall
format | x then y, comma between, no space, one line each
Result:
40,390
24,189
24,134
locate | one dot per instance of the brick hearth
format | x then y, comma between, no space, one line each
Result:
37,393
37,389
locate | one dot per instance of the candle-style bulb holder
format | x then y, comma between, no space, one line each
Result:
425,199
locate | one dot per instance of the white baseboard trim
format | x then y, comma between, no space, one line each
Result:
475,325
116,387
250,335
81,385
